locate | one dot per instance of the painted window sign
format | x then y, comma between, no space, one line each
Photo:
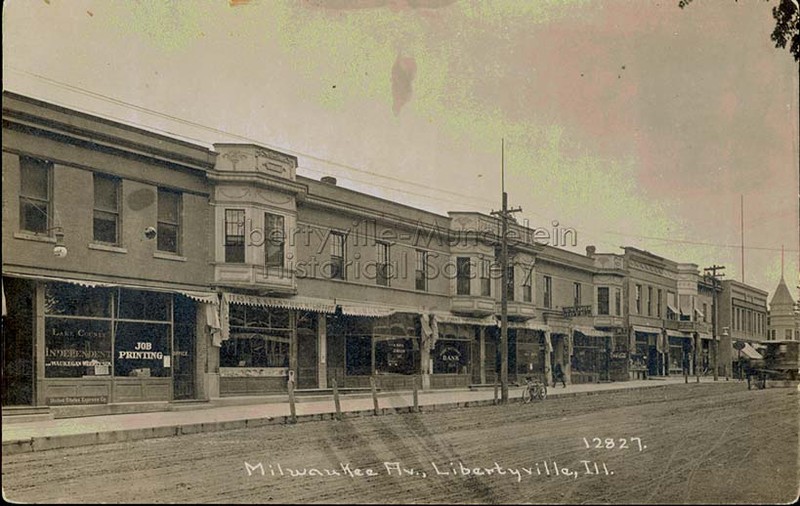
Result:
75,348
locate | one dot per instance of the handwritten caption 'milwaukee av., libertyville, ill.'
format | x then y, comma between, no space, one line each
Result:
542,469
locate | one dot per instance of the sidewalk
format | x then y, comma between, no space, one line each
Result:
21,437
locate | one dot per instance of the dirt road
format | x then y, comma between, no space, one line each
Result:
697,444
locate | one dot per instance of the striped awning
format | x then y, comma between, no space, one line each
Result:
204,297
365,310
679,334
751,352
591,331
300,303
443,317
529,325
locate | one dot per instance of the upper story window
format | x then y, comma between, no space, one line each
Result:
486,278
510,284
638,299
338,253
618,301
234,236
705,312
527,292
602,300
548,292
106,209
649,301
788,333
659,302
169,221
463,275
576,294
382,268
34,195
274,240
421,275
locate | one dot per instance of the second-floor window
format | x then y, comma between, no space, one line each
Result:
638,299
382,268
705,312
169,221
106,209
463,275
486,278
421,275
274,240
527,292
510,284
548,292
649,301
659,302
602,300
338,250
34,195
618,302
234,236
576,294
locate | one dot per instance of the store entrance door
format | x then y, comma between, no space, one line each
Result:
18,336
183,354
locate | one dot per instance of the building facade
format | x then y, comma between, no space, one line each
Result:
105,261
137,267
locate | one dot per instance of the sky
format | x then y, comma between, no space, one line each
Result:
633,122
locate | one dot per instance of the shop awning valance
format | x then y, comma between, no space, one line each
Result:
591,331
300,303
79,282
204,297
443,317
646,330
678,334
529,325
365,310
751,352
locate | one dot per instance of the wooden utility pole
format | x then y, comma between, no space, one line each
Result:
504,214
711,274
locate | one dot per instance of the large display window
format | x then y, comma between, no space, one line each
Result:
451,356
259,338
106,332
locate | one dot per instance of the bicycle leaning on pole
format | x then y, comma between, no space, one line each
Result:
534,389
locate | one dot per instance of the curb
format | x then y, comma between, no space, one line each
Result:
42,443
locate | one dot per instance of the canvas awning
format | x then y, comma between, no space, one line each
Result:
529,325
699,313
646,330
678,334
443,317
672,308
365,310
300,303
591,331
751,352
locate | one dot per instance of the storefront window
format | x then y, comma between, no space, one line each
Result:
63,299
394,356
77,347
142,349
260,337
358,355
146,306
451,357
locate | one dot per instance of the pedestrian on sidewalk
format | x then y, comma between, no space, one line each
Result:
558,375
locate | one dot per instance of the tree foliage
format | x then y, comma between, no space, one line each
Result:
787,24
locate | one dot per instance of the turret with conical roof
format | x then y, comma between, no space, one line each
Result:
782,317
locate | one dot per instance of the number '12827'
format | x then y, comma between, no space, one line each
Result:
611,443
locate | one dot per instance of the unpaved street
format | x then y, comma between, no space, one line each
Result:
699,444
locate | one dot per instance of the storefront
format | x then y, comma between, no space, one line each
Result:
452,355
591,355
361,346
265,339
680,352
100,343
645,359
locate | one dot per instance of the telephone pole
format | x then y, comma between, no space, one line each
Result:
711,275
504,214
